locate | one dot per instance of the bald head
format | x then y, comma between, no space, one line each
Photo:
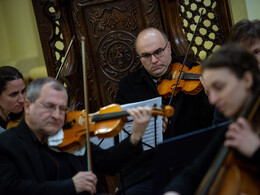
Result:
149,33
154,50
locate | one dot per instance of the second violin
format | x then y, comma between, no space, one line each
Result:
189,81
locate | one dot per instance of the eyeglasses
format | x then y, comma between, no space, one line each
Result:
158,53
48,107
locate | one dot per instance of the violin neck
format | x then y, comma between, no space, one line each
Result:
108,116
167,111
190,76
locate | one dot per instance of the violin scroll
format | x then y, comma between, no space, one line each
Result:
167,111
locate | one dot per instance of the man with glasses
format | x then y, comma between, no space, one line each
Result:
29,166
192,112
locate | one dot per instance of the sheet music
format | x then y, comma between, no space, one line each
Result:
148,137
106,143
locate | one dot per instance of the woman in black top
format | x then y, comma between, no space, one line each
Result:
12,93
232,78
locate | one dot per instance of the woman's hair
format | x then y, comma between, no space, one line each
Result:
235,58
8,73
245,32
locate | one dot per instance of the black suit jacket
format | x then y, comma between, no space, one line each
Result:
192,112
22,169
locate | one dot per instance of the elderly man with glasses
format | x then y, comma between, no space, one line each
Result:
29,166
192,112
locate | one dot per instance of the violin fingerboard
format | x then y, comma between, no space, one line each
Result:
190,76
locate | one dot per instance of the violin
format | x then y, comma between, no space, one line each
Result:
15,122
189,81
180,77
105,123
11,124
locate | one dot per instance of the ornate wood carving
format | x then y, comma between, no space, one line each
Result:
109,28
55,31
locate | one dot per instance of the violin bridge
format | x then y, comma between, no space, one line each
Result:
175,75
81,120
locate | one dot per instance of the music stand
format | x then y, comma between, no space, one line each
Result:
176,153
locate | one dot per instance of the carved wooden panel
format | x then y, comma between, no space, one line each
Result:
55,30
109,28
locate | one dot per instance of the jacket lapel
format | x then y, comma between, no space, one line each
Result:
145,77
29,145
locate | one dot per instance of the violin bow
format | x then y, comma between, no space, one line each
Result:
65,57
86,104
186,55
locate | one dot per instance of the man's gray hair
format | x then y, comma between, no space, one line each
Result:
34,89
